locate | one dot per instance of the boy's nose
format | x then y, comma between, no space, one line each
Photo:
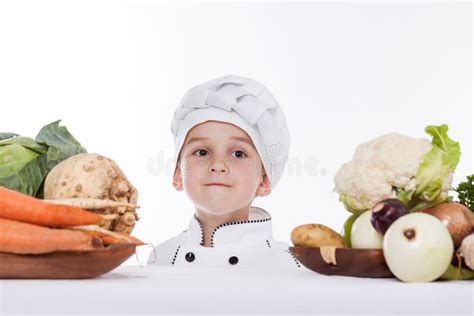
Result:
218,166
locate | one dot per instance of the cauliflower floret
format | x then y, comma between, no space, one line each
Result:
379,167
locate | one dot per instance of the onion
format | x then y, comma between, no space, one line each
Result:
364,235
458,219
417,248
385,213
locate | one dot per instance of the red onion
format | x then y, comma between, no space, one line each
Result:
385,212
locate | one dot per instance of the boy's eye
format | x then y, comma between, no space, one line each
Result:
235,154
240,154
201,152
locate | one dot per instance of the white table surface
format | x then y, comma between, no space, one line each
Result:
159,289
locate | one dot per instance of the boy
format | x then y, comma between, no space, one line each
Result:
232,144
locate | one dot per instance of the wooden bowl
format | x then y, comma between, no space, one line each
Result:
364,263
64,264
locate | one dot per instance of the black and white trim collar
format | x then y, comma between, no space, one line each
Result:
257,229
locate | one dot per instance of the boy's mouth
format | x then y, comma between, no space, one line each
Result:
218,184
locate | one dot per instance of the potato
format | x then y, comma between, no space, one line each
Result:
316,235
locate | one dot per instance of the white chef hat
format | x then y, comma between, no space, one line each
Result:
245,103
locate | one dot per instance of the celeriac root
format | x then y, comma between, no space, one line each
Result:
91,204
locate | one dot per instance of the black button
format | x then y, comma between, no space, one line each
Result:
190,257
233,260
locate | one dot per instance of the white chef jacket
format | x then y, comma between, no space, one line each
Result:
242,244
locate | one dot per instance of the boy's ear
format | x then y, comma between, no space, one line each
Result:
264,187
177,178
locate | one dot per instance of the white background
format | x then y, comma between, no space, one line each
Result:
344,73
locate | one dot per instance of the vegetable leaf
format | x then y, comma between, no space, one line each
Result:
7,135
436,164
405,196
61,144
25,162
465,192
22,169
25,142
350,205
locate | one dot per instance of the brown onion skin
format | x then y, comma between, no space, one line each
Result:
457,218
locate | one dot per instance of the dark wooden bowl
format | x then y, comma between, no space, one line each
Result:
364,263
64,264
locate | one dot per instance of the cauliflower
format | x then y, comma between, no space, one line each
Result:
389,167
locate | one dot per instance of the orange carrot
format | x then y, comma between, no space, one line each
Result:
108,237
23,238
109,240
135,240
24,208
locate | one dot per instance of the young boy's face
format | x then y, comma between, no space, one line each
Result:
218,152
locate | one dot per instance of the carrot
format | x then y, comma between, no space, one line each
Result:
23,238
24,208
108,237
111,240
